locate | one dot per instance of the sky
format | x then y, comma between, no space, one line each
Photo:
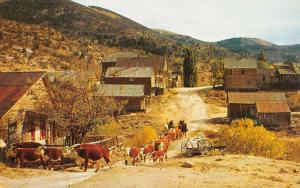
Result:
277,21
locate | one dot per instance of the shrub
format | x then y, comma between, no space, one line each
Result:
293,148
242,137
112,128
144,136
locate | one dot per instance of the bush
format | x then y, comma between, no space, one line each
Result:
112,128
293,150
242,137
144,136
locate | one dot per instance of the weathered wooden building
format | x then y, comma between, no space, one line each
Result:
132,76
266,79
21,95
289,77
158,64
240,74
133,95
268,108
110,60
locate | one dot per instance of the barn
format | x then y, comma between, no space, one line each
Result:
132,76
21,95
268,108
158,64
240,74
133,95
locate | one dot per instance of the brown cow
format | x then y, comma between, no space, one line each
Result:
134,153
147,150
54,155
27,145
159,156
31,155
94,153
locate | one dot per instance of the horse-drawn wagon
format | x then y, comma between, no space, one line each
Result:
198,146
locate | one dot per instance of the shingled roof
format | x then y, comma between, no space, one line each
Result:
13,86
133,72
240,63
256,97
114,90
157,63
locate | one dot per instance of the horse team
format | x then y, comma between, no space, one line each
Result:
157,150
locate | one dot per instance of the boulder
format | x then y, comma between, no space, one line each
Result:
188,164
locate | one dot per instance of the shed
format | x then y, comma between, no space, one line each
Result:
21,92
240,74
268,108
132,94
131,76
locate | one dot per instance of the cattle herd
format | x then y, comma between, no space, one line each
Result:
32,153
36,153
155,151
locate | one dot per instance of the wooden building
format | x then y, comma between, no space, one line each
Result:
266,79
268,108
132,76
289,77
158,64
133,95
240,74
110,60
21,95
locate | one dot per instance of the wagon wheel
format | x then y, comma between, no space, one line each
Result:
204,146
185,149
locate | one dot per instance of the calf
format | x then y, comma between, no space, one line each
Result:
31,155
94,153
54,155
134,153
159,156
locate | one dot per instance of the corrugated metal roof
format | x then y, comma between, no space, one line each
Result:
13,85
240,63
113,57
157,63
256,97
272,107
133,72
113,90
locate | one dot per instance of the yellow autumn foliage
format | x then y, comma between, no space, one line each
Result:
144,136
242,137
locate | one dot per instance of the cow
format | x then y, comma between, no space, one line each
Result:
161,146
134,153
147,151
27,145
94,153
54,155
29,155
159,155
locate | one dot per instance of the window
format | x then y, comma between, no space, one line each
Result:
264,78
243,71
230,72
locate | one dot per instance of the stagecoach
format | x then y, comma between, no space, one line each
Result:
198,146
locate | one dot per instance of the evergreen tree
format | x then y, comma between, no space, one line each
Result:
189,69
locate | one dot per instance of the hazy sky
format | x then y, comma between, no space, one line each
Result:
277,21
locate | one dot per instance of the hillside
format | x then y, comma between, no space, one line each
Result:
253,46
25,47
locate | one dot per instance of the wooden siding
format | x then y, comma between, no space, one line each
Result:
236,111
274,119
235,80
134,103
147,82
16,115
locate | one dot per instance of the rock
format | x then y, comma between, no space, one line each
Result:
187,164
295,171
219,159
282,170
